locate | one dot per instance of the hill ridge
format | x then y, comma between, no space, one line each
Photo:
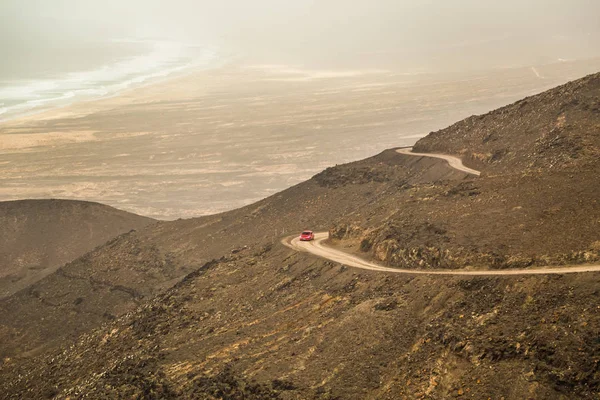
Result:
37,236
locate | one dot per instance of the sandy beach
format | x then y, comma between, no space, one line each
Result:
214,140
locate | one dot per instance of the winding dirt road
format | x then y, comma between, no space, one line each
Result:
318,248
454,162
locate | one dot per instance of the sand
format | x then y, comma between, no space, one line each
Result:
214,140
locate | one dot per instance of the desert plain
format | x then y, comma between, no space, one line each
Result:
213,140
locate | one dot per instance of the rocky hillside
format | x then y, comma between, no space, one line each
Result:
117,277
38,236
556,130
217,308
536,203
278,324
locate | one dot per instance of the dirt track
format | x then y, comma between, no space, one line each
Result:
318,248
454,162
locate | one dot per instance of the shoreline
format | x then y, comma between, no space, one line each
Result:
53,112
132,92
212,140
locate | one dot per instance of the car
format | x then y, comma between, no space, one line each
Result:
307,236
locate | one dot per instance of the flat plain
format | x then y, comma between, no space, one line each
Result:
215,140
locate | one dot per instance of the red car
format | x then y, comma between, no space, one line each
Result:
307,236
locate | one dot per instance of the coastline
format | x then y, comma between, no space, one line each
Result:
63,110
151,62
211,140
135,94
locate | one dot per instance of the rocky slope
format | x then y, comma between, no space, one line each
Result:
130,269
246,317
279,324
536,203
555,130
38,236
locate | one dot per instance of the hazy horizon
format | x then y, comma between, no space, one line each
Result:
410,34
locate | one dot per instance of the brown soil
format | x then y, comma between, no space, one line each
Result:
536,202
38,236
264,321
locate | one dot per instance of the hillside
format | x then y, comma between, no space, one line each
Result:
306,328
38,236
536,203
216,307
130,269
553,131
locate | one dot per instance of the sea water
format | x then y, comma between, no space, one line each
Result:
88,73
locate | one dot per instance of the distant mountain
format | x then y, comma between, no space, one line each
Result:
38,236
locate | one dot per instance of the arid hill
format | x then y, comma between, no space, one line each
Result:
217,308
536,203
553,131
134,267
38,236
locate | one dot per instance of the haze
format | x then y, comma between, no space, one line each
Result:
406,34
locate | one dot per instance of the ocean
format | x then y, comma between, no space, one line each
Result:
93,72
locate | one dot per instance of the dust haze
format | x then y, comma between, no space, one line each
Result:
423,36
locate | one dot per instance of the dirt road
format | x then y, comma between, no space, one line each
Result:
454,162
318,248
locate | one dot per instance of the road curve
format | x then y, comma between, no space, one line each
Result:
454,162
318,248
